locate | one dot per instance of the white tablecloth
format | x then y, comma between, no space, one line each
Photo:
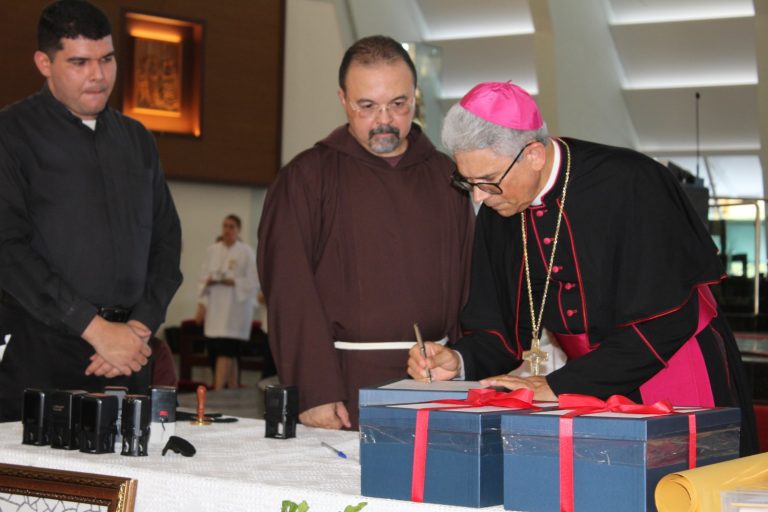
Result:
235,469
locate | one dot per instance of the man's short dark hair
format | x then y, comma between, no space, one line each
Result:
372,50
70,19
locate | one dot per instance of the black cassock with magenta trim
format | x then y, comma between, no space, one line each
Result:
629,300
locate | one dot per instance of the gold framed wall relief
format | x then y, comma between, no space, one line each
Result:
42,489
163,82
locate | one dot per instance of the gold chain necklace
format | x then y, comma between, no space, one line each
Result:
535,356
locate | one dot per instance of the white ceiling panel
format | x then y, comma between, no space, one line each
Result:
665,119
687,53
470,61
659,11
458,19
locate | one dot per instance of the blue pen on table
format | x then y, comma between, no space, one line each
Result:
337,452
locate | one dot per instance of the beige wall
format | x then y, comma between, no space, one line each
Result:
313,50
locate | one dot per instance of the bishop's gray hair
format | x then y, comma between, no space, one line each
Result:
464,131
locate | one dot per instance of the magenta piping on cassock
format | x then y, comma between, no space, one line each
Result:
503,340
560,306
578,268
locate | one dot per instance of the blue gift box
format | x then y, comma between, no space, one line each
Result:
410,391
463,459
617,458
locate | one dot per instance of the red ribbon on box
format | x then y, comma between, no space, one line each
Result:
584,404
486,397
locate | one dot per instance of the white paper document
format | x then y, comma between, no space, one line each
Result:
435,385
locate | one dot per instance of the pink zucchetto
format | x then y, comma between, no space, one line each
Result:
505,104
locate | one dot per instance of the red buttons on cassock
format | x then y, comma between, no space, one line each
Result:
540,213
557,269
547,241
571,312
569,286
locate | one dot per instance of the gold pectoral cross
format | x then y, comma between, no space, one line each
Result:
535,356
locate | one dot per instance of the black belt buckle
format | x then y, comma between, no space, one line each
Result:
114,314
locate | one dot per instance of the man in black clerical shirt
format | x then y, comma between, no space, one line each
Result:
89,235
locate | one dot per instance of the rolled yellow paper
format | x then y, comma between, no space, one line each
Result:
699,489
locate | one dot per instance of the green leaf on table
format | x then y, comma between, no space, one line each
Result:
355,508
289,506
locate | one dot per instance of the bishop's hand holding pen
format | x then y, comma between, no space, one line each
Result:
422,349
437,362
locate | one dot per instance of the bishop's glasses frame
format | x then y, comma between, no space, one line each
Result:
493,188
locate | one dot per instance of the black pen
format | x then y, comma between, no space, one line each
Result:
422,348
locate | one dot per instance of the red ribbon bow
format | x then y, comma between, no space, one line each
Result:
585,404
486,397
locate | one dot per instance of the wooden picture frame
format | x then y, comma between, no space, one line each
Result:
23,484
163,76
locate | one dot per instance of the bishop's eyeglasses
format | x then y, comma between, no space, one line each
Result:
488,187
396,107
